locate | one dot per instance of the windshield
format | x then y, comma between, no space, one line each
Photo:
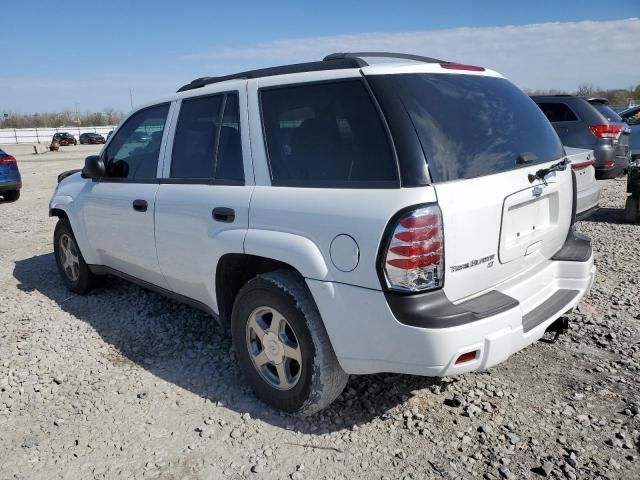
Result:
471,125
607,111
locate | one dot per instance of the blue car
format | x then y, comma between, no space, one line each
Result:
10,180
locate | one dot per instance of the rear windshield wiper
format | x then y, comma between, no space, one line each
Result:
543,172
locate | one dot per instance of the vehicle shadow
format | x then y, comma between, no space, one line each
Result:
189,349
614,216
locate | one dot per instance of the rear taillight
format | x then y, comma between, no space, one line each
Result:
462,66
6,159
414,260
612,132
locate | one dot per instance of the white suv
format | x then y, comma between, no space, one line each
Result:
339,218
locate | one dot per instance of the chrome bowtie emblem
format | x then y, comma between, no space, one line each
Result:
537,191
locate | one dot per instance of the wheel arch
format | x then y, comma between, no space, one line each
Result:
234,270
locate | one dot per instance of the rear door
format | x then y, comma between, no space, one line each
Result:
483,138
202,206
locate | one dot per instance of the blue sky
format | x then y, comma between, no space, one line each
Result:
91,53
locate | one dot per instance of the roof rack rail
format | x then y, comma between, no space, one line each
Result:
360,55
334,61
333,64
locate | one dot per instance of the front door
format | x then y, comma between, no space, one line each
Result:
119,209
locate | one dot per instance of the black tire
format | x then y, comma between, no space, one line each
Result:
320,378
11,195
85,281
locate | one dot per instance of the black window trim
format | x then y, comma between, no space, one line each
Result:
106,147
208,181
381,184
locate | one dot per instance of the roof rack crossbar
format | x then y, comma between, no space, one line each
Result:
403,56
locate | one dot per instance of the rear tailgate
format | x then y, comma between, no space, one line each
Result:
497,226
482,137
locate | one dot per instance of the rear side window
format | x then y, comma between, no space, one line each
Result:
326,135
207,140
470,125
607,112
557,112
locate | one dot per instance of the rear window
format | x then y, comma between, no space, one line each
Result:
557,112
470,126
327,134
607,111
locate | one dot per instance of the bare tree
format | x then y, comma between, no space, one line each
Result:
586,90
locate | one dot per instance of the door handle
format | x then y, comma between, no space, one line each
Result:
223,214
140,205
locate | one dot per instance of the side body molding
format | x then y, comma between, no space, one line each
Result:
295,250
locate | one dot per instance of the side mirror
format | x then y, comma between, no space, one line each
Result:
94,167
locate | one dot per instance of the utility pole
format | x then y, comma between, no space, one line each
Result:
131,97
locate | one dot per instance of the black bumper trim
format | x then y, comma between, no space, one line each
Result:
547,309
435,310
8,187
576,248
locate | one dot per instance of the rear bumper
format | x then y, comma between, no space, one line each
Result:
609,162
10,185
368,336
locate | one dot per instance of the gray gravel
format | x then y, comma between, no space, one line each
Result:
127,384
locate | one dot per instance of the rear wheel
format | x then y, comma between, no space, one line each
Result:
11,195
74,271
281,344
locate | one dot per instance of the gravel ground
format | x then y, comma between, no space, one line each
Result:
127,384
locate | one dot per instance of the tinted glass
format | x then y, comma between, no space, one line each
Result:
207,140
326,134
471,126
134,150
607,111
195,139
229,159
557,112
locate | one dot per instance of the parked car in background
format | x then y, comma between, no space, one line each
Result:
64,139
10,179
584,123
362,224
91,138
587,189
631,116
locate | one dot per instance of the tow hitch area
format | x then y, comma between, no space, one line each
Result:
559,327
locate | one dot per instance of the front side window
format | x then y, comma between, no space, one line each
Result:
557,112
632,117
326,135
207,142
134,151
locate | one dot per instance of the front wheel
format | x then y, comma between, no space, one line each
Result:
74,271
282,347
